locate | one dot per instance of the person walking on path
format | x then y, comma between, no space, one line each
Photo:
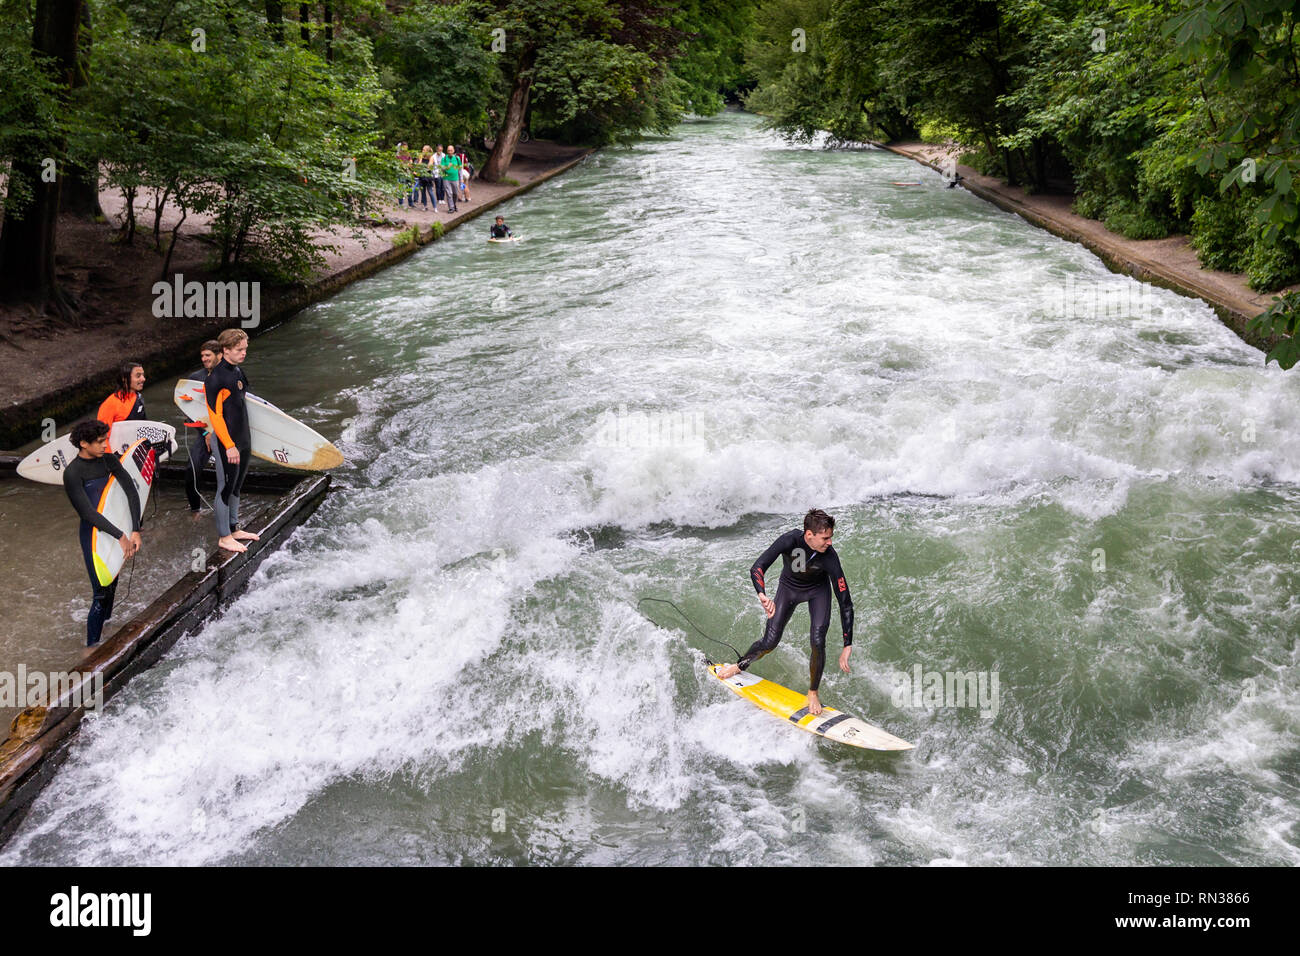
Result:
424,169
439,184
451,173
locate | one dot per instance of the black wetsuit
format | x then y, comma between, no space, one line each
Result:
84,480
501,232
199,451
226,389
808,576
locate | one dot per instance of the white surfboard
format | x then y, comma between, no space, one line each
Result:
46,463
276,436
139,461
505,240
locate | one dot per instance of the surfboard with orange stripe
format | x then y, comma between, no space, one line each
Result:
793,707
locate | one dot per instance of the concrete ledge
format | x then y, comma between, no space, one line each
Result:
1233,314
39,736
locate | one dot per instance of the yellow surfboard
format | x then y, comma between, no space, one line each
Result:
793,706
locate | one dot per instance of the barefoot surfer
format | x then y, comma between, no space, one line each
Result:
226,390
810,572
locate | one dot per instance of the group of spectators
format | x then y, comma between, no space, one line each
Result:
435,175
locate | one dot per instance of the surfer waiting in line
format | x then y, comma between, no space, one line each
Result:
84,480
125,404
201,449
810,571
500,230
226,389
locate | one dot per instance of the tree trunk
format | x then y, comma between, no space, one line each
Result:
128,224
80,194
167,262
159,204
503,150
329,31
275,17
304,23
27,243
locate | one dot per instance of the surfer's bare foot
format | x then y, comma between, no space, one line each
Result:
245,536
728,670
230,544
814,703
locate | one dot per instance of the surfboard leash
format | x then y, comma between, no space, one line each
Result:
692,624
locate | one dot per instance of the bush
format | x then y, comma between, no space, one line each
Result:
1090,205
1272,265
406,236
1134,222
1221,232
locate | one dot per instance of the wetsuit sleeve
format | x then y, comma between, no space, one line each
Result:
85,508
218,420
758,572
132,496
840,586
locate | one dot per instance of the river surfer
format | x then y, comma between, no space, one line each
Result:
125,404
499,230
201,449
84,480
226,389
810,572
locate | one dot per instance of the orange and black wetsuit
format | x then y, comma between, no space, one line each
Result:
806,575
84,480
125,406
226,390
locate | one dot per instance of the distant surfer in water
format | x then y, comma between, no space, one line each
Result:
84,480
125,404
226,390
500,230
200,449
810,571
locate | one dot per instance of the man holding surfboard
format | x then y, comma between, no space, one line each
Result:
226,390
125,404
201,449
810,572
84,481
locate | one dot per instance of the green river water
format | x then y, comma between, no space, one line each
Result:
1041,472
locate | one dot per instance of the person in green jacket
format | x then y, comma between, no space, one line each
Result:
451,173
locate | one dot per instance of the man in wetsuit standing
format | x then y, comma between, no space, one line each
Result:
201,446
810,572
84,480
226,390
